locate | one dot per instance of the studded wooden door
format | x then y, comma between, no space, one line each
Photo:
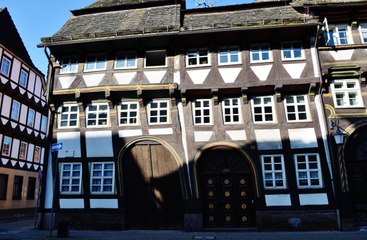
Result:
226,190
152,188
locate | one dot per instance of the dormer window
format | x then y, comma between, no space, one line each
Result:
156,58
339,35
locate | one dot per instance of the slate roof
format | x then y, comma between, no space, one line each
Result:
114,3
166,19
258,17
10,38
340,3
117,23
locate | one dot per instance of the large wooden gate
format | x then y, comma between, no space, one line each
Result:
226,190
356,162
152,188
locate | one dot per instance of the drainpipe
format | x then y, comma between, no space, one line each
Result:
326,134
49,132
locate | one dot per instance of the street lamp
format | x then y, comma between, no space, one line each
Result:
339,136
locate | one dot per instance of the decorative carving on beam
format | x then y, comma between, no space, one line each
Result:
215,96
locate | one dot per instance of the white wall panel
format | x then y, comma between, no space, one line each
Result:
99,143
31,81
15,148
313,199
278,200
30,152
37,121
302,138
5,108
71,143
267,139
23,114
38,87
103,203
74,203
15,71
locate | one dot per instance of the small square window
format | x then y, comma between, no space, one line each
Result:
129,113
198,58
97,115
202,111
68,116
346,93
229,56
292,51
261,53
125,60
158,112
263,109
69,65
95,63
5,66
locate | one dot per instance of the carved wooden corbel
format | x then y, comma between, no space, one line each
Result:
215,96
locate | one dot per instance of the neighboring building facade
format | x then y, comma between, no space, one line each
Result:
23,122
343,56
189,119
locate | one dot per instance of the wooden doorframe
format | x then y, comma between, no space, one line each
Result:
246,157
170,149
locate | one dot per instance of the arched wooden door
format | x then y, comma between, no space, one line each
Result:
226,189
355,156
152,188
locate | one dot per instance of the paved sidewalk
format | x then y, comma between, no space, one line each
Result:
30,234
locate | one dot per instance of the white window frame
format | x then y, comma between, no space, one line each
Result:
128,112
159,109
261,49
6,147
202,109
335,34
12,113
308,170
231,108
228,53
296,105
273,172
363,32
97,113
346,91
292,49
95,60
30,122
263,107
71,177
68,114
23,151
69,64
194,54
101,175
125,57
7,61
23,77
154,52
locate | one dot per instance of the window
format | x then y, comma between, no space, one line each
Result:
158,112
43,124
97,115
155,58
292,51
231,111
197,57
15,107
261,53
69,65
17,187
23,150
31,190
102,177
229,56
3,186
339,35
296,108
69,116
23,78
125,60
70,178
363,31
5,66
202,111
262,109
346,93
129,113
37,154
308,170
273,171
30,119
6,146
95,63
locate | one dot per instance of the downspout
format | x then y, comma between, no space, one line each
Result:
49,132
325,130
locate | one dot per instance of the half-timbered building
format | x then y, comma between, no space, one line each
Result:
343,56
23,122
175,118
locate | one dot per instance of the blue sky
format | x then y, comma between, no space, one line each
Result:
42,18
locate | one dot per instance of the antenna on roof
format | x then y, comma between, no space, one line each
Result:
205,3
